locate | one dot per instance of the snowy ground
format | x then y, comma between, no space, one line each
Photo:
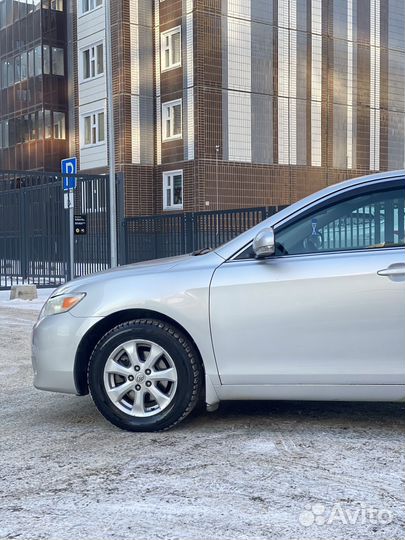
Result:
249,471
17,304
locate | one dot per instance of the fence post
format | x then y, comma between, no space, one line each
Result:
121,224
23,235
188,221
123,243
67,251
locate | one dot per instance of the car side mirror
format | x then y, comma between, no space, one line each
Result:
264,244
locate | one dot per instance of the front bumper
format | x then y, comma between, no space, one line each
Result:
55,340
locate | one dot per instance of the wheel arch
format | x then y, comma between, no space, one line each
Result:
96,332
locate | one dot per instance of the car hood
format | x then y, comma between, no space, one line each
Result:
137,269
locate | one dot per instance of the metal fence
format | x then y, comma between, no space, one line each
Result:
34,228
153,237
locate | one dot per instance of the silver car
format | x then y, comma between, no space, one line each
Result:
307,305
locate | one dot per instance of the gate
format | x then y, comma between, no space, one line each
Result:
34,228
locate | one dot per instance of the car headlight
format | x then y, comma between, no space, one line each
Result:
61,304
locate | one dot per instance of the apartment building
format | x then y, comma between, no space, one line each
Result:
230,103
33,85
224,103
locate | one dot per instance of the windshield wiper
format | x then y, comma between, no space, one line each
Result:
201,251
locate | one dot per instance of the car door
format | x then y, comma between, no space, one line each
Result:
328,308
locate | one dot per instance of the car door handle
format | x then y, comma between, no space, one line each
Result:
397,269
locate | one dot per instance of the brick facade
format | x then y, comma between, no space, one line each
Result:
279,98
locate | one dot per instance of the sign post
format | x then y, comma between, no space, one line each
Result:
69,166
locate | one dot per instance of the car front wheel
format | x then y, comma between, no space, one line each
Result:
145,375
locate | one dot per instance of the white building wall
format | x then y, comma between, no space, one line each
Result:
92,93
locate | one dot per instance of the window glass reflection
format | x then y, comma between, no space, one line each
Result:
38,60
58,67
59,128
48,124
47,59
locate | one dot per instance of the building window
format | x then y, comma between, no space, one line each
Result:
59,125
38,60
94,128
171,48
24,129
46,54
4,134
93,61
3,74
172,120
48,124
24,67
31,71
89,5
57,5
173,190
58,64
3,14
33,126
17,66
10,72
40,126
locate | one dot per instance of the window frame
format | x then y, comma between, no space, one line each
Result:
24,66
166,106
60,124
90,10
46,60
3,74
38,71
48,124
165,176
5,136
54,54
89,48
169,33
97,113
31,63
385,184
57,4
10,72
17,69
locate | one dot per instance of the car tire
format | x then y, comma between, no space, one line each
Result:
144,400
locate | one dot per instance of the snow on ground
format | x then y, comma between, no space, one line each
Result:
251,471
34,305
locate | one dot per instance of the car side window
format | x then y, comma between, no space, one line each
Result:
365,221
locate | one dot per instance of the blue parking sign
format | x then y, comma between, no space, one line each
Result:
69,166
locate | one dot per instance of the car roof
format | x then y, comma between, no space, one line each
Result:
231,247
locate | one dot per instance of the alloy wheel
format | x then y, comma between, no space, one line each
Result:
140,378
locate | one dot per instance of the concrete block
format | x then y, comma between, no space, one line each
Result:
23,292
